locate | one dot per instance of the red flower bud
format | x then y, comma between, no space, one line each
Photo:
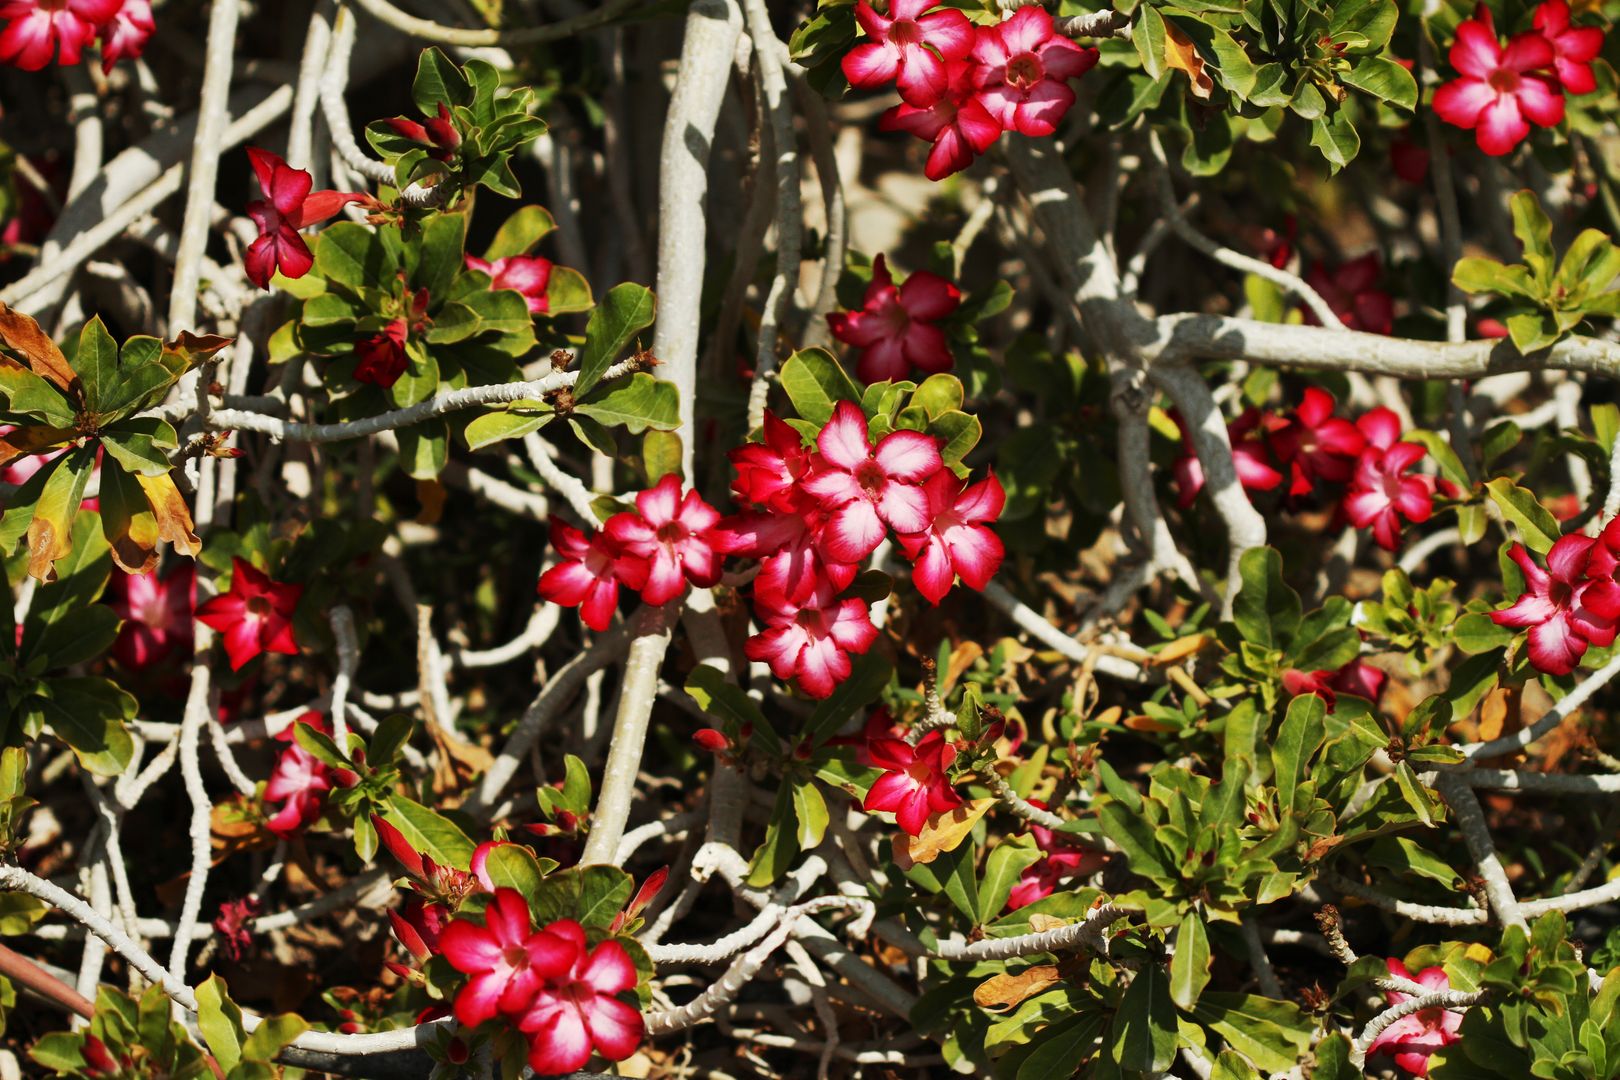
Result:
711,740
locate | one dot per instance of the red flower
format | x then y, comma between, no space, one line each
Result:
895,329
1063,861
670,533
1357,677
288,206
382,358
157,614
419,927
590,574
1574,47
575,1012
38,29
234,925
505,958
1410,1040
438,134
1496,88
867,488
126,34
909,48
1254,468
811,642
300,782
788,545
914,783
254,615
768,473
1028,65
1381,493
529,275
1351,290
958,124
959,541
1564,609
1315,444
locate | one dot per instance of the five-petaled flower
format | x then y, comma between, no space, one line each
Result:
528,275
896,329
1565,609
1062,859
254,615
1499,91
1027,68
590,573
576,1011
1381,493
1357,677
505,956
915,782
868,487
909,48
1249,457
300,782
958,124
157,614
1410,1040
1574,47
40,29
1315,444
810,641
288,205
958,541
669,533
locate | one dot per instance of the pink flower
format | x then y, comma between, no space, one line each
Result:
914,783
529,275
959,542
38,29
254,615
811,642
438,134
1496,89
1574,47
1253,463
1380,491
670,532
1357,677
1315,444
381,357
234,925
1061,862
1028,65
1351,290
788,545
126,34
575,1011
1564,610
1411,1039
299,782
768,472
895,329
590,573
288,206
958,124
909,48
865,488
157,614
505,958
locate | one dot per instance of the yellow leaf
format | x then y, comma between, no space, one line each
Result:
1180,54
1003,992
942,832
1179,649
172,514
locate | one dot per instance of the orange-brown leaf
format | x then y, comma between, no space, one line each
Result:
1003,992
1179,649
172,514
22,335
1180,54
128,522
32,440
942,832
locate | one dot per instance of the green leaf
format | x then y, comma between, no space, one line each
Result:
1135,838
708,687
513,866
424,448
50,531
780,847
810,808
1266,610
1068,1041
623,313
438,80
96,364
1451,466
1300,736
320,746
636,404
391,734
1537,527
141,444
1189,968
1335,136
815,383
1271,1034
494,427
89,715
868,676
76,635
960,433
1476,632
519,233
1418,797
1384,79
272,1036
1481,275
220,1021
429,832
603,892
352,254
1232,1066
444,241
1534,230
1002,869
568,293
1333,1060
1144,1029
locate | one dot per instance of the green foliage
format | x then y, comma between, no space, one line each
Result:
126,1031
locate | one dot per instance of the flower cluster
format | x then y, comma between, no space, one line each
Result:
300,781
288,205
1501,90
254,615
816,514
897,327
36,30
1410,1040
548,982
962,85
1573,603
1063,859
1311,446
656,550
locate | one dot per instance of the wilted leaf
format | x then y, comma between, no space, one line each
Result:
1005,991
171,512
1181,55
22,335
942,832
